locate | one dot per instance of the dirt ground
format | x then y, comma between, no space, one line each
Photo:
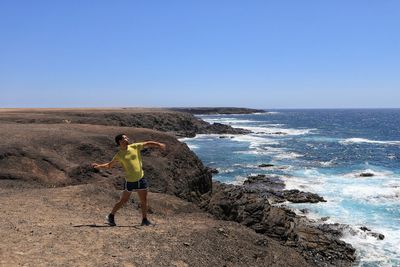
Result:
65,226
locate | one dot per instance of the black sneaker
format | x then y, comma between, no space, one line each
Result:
146,222
110,220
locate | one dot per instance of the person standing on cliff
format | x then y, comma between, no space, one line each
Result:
130,158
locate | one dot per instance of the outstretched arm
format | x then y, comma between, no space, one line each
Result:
108,165
154,144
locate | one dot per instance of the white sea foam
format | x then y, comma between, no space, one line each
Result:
204,137
257,145
328,163
225,170
370,193
254,152
239,180
245,166
376,252
272,125
288,155
313,185
230,121
270,129
350,141
370,250
262,150
276,131
193,147
255,141
312,180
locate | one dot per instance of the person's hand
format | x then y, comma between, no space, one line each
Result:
95,165
163,146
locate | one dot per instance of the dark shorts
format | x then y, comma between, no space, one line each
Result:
139,185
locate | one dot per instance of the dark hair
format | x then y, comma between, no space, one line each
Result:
119,138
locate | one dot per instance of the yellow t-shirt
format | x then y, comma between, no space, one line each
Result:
131,161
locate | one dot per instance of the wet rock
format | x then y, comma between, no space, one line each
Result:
261,181
377,235
297,196
364,228
212,170
305,211
266,165
279,133
366,174
324,219
272,187
220,128
251,208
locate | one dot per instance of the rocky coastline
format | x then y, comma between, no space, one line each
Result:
218,110
180,124
54,148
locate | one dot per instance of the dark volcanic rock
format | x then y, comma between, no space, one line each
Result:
378,236
222,129
219,110
266,165
279,133
366,174
212,170
305,211
248,207
272,187
263,182
297,196
374,234
364,228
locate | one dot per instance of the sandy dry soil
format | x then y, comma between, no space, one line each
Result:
65,227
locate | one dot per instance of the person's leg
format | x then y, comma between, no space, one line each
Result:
124,198
143,202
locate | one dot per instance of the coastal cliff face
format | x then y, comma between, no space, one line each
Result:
61,154
39,150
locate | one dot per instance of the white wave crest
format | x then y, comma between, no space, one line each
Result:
375,252
225,170
369,193
328,163
255,141
277,131
288,155
349,141
192,147
239,180
230,121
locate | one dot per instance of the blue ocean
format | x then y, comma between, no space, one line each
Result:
324,152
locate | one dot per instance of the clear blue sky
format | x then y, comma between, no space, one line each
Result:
262,54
